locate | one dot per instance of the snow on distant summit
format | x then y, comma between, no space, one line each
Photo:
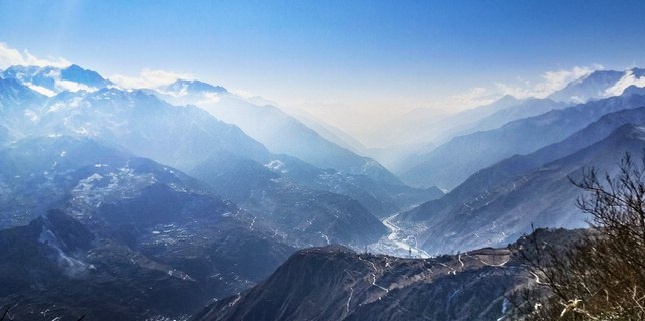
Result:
50,80
634,77
183,87
600,84
589,87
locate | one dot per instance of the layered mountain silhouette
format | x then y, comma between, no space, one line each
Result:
451,163
153,203
122,225
158,243
189,138
278,131
473,285
501,202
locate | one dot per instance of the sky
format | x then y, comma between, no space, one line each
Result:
355,64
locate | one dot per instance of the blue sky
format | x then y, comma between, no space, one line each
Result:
373,58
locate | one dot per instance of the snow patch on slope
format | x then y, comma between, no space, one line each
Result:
631,78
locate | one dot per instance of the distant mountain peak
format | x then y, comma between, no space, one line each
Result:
637,72
634,90
12,90
508,99
87,77
50,80
634,77
588,87
183,87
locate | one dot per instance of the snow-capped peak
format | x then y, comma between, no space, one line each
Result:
183,87
634,77
591,86
49,80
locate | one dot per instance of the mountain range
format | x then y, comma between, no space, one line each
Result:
499,203
115,227
451,163
154,203
474,285
278,131
110,164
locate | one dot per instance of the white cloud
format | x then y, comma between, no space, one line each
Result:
552,81
10,56
64,85
242,93
208,99
41,90
629,79
478,96
148,79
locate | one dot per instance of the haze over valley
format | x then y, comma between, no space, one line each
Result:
299,161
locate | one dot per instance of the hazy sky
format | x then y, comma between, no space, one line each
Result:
341,60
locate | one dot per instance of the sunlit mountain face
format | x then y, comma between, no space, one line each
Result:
124,187
303,161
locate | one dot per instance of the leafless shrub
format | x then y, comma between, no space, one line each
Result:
602,276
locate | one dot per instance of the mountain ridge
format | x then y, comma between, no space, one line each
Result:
454,161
